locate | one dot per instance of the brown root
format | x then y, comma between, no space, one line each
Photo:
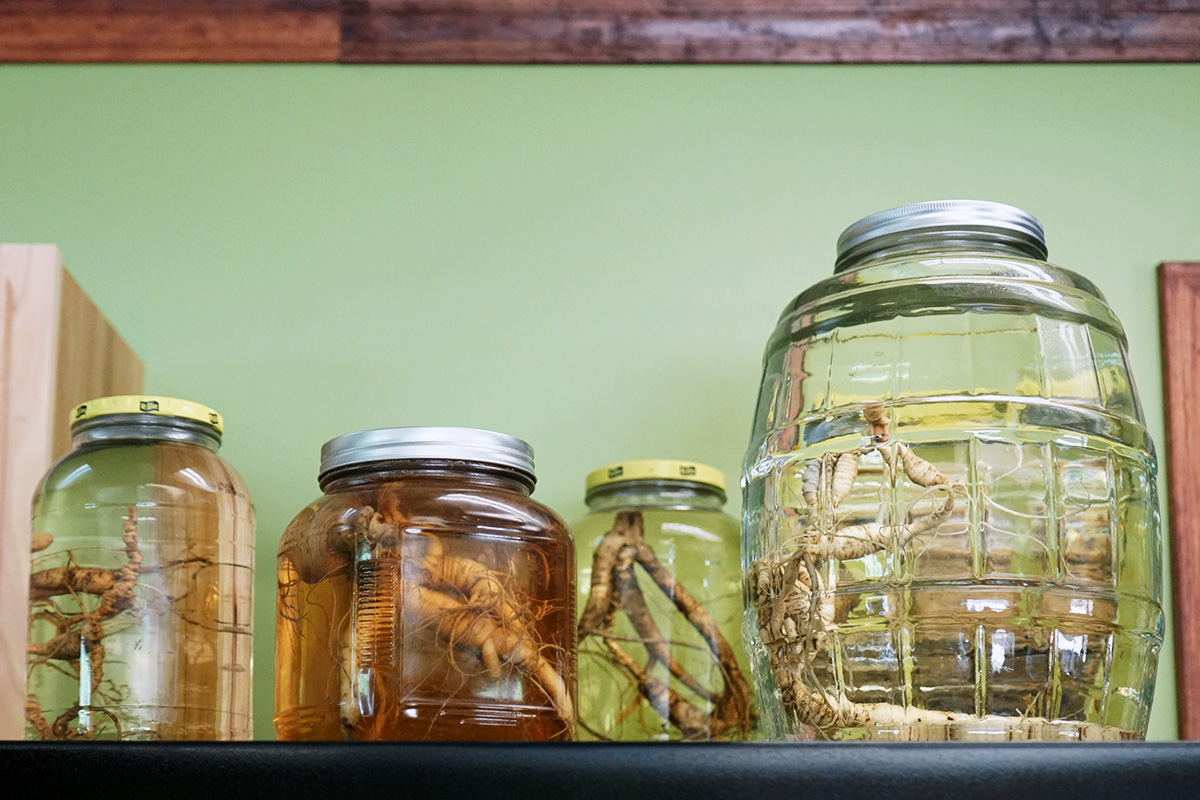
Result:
615,587
33,715
878,421
86,629
320,543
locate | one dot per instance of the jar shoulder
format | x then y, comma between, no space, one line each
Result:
168,465
446,506
704,528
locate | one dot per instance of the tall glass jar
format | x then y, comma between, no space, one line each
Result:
660,587
951,524
426,595
142,578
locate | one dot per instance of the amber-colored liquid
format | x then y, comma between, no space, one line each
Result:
378,647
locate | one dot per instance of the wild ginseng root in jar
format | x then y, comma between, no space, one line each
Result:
660,650
426,596
142,576
950,512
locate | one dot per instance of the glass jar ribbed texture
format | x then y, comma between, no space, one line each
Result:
951,524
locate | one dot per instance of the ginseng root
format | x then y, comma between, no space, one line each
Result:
464,627
856,541
797,615
615,588
470,607
85,629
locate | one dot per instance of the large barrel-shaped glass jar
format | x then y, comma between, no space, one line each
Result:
142,576
660,643
426,596
951,523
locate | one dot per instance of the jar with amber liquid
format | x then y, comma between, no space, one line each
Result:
142,577
425,595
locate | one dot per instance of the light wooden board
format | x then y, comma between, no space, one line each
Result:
93,360
56,351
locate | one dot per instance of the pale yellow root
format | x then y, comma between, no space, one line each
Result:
467,628
856,541
918,470
483,587
845,470
812,483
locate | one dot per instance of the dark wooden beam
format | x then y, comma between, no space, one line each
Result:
769,31
169,30
601,31
1179,303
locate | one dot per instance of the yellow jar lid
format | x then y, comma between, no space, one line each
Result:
656,469
147,404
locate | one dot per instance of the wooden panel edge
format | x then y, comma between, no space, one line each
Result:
33,273
1179,307
93,359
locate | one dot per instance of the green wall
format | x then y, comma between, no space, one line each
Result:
590,258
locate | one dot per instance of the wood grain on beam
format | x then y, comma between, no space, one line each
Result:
168,30
769,31
1179,303
601,31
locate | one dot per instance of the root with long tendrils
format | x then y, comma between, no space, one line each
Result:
84,629
614,587
797,614
408,580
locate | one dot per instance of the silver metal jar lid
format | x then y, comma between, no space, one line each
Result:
420,443
965,216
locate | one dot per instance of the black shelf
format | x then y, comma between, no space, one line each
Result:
448,771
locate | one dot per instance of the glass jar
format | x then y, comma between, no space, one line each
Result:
141,592
425,596
951,522
660,646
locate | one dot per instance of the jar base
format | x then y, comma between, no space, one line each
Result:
427,722
984,729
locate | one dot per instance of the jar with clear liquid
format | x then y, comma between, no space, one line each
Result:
951,520
660,651
141,589
426,596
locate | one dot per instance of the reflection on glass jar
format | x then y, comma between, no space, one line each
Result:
425,595
660,652
950,511
142,579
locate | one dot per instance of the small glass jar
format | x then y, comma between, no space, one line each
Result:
425,596
659,641
951,518
142,580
